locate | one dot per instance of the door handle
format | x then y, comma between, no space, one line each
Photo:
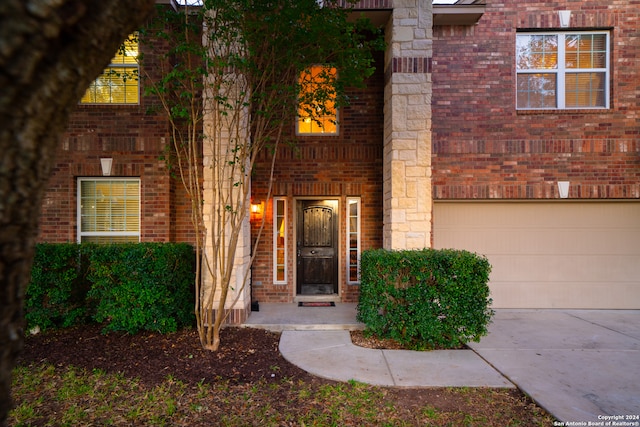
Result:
313,252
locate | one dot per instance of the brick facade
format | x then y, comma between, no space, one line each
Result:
331,167
437,122
484,149
135,137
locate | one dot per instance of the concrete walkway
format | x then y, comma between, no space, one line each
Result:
580,365
332,355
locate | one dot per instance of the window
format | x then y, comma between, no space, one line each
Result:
279,241
317,114
118,84
353,240
562,70
108,210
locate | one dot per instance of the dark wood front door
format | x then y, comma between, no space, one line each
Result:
317,244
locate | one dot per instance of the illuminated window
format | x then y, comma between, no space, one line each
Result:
317,114
279,241
118,84
353,240
562,70
108,210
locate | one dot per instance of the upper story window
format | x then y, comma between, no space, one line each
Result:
118,84
108,210
317,113
565,70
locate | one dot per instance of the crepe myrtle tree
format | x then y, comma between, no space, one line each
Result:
50,51
232,88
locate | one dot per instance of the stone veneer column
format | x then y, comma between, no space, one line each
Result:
219,132
407,129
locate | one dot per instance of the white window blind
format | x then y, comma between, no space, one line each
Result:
108,210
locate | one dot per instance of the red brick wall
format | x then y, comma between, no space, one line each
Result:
484,148
135,136
333,167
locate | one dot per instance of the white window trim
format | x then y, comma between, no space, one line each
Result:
321,134
80,233
112,65
349,202
561,70
275,240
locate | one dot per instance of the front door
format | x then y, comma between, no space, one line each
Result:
317,247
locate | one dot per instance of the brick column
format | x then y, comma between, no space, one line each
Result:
407,133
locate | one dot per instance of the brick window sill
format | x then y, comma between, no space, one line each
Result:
565,112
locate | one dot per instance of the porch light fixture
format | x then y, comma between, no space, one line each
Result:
257,208
563,189
106,164
565,18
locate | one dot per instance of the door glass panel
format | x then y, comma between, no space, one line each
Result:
279,238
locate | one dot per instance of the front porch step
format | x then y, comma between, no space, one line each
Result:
280,317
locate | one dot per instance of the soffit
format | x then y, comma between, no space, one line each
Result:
461,12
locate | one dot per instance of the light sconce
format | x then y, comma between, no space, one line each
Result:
257,208
565,18
563,189
106,164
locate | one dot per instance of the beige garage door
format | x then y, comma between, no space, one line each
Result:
550,254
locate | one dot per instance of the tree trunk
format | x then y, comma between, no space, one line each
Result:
50,50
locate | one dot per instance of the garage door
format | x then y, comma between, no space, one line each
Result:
550,254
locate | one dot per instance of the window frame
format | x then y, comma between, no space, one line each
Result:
561,70
334,117
285,244
113,65
80,234
357,249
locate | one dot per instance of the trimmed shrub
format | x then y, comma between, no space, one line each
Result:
55,297
425,299
142,286
129,287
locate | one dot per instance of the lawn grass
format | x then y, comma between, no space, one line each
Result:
67,396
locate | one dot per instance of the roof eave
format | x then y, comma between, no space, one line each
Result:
457,14
171,3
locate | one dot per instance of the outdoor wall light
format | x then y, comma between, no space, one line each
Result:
565,18
257,208
106,164
563,189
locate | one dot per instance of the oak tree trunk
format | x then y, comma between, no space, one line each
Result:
50,50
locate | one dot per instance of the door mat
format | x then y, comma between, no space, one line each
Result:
317,304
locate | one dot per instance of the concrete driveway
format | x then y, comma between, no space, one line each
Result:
581,365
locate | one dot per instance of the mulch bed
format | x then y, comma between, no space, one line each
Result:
245,355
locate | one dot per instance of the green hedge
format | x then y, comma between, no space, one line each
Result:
56,296
425,299
127,287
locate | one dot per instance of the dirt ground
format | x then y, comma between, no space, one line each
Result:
246,356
